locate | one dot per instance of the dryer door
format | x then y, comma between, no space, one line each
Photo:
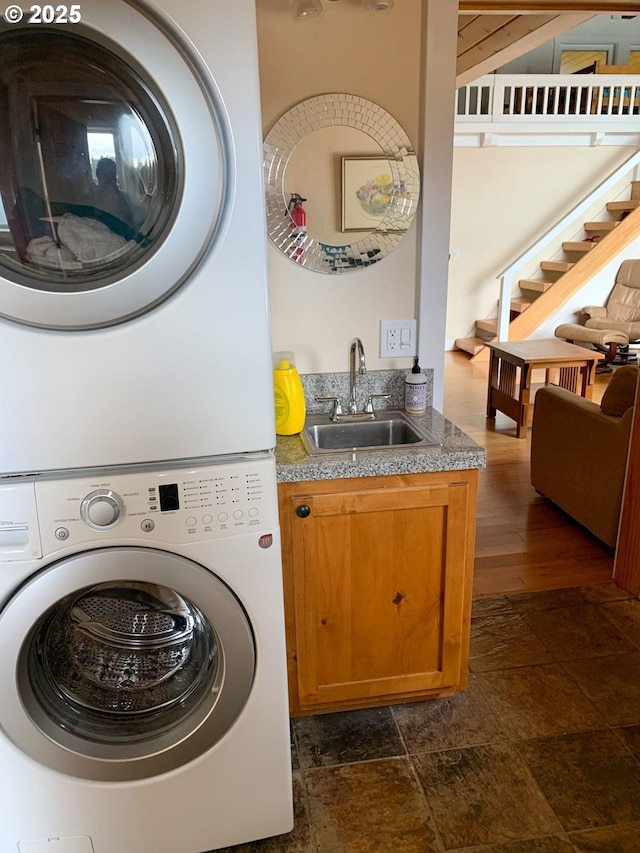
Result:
129,662
115,166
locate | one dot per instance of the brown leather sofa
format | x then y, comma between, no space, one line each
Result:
579,451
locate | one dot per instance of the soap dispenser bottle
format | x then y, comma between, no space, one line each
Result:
415,390
288,394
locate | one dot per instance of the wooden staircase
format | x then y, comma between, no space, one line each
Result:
532,290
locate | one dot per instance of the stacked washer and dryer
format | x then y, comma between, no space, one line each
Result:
142,675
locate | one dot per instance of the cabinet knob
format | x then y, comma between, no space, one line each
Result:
303,510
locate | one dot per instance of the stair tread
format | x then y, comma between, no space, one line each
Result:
629,204
600,226
556,266
487,325
539,285
578,246
521,303
470,345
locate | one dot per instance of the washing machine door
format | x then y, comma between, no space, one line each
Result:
115,163
138,661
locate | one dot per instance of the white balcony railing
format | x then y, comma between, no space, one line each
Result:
591,100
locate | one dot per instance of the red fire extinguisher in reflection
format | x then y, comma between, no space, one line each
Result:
298,224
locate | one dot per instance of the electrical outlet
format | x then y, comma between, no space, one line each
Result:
397,338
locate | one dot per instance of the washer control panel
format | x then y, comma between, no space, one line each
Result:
164,505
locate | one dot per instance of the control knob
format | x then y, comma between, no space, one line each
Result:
102,509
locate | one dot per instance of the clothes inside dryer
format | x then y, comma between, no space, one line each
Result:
122,662
90,161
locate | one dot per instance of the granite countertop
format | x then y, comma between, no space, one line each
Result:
457,452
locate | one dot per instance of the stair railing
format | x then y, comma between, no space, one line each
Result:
509,276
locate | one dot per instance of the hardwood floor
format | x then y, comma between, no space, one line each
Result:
523,541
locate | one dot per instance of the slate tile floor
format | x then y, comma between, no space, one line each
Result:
540,755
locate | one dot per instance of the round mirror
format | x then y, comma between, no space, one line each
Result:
342,183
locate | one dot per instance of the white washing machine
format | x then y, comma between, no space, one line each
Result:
133,302
142,673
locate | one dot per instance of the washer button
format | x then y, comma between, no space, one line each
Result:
238,514
207,519
147,525
253,512
191,522
62,533
222,516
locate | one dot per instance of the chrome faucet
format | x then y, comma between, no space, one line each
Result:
356,365
356,353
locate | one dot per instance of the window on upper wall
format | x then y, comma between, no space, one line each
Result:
634,59
577,61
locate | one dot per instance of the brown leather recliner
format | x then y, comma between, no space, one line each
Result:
579,451
622,310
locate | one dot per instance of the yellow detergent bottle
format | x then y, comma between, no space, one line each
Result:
289,395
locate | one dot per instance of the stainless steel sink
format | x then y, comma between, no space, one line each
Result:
389,430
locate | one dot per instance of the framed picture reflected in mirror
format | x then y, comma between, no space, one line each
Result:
371,195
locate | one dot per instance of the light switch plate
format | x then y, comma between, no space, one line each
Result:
397,338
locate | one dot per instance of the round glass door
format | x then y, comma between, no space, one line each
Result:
123,679
89,180
113,167
121,662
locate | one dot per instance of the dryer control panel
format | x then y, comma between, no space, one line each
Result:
158,504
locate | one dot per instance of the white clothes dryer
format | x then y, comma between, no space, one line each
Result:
133,302
143,677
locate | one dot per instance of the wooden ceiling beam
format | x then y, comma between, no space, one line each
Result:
479,29
511,29
466,21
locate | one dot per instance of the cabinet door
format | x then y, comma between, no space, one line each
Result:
379,580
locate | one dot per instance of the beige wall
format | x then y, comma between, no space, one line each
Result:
375,55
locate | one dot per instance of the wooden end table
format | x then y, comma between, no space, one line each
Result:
511,394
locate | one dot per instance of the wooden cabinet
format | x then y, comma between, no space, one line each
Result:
378,574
